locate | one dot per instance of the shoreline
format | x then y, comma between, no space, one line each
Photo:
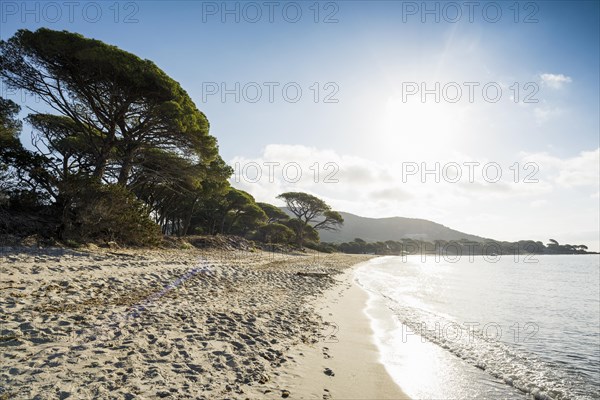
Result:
345,363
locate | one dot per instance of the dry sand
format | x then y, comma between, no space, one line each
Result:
179,324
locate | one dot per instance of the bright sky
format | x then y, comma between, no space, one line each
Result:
517,91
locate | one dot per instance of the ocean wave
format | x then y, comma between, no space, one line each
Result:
515,367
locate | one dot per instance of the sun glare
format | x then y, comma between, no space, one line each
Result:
427,128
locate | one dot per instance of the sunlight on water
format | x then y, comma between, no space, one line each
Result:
423,369
475,329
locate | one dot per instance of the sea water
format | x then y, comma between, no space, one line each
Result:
494,327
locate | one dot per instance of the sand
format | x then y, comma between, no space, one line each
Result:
181,324
344,364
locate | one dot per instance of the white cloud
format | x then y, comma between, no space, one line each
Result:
324,173
581,170
395,194
485,191
544,113
359,184
539,203
555,81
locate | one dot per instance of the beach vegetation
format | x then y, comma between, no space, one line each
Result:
310,215
118,142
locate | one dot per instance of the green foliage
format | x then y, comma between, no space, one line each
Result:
9,131
274,214
95,212
9,125
176,189
240,212
453,248
303,205
122,105
9,136
310,209
229,211
322,247
303,233
555,248
118,120
18,166
274,233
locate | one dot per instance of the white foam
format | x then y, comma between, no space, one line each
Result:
428,363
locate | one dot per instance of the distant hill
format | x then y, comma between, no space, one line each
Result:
394,228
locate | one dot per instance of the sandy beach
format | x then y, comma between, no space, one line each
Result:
181,324
344,364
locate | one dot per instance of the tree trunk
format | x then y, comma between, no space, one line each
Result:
99,169
300,237
188,218
125,171
186,224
